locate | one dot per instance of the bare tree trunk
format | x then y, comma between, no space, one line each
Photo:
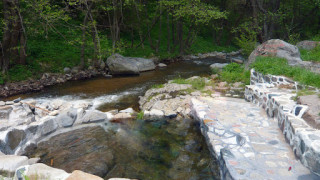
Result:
160,27
13,36
84,27
168,32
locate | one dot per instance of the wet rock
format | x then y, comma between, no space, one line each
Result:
15,137
143,64
120,117
2,103
17,100
170,114
79,175
5,112
92,116
9,103
48,126
128,110
218,65
64,120
86,149
162,65
9,163
311,116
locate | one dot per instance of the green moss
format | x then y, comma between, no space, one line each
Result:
180,81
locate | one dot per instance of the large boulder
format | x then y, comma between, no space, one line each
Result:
276,48
308,45
79,175
9,164
128,65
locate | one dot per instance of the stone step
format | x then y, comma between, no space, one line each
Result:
247,143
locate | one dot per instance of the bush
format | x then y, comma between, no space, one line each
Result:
1,79
235,73
279,66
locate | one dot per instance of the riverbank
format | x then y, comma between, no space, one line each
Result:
74,74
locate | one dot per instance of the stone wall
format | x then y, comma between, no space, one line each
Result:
266,91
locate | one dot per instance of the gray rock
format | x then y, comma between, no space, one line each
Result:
9,164
128,110
49,125
5,112
162,65
276,48
120,65
42,171
65,120
92,116
9,103
128,65
2,103
170,114
143,64
67,70
17,100
218,65
156,113
308,45
15,137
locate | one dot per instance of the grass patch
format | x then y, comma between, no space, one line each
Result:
311,55
20,73
157,86
305,92
235,73
279,66
180,81
140,115
197,84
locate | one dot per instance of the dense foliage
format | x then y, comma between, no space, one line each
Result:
48,35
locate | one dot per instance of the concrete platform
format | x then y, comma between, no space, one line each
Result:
247,143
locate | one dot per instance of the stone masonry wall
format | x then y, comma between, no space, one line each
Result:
278,103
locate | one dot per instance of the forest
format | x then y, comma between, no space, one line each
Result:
38,36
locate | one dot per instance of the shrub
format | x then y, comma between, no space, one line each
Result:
310,55
19,73
140,115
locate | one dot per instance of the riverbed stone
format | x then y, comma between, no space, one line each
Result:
92,116
5,112
9,102
162,65
218,65
2,103
120,65
9,163
128,110
42,171
15,137
65,120
143,64
80,175
156,113
49,125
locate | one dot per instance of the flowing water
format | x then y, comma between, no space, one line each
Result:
121,92
165,149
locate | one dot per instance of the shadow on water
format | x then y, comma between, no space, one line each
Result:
137,149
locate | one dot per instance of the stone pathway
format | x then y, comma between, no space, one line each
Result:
247,143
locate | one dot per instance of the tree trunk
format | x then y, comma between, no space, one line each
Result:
168,32
13,36
84,28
